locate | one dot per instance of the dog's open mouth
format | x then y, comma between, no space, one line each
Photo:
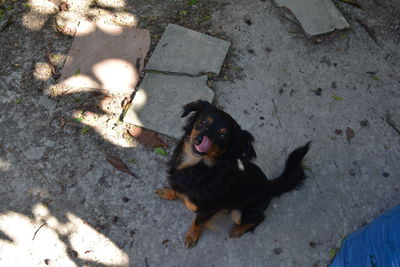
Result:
204,146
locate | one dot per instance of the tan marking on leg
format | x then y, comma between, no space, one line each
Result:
236,216
193,234
238,230
166,193
190,205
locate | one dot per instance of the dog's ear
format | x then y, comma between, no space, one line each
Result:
198,105
246,148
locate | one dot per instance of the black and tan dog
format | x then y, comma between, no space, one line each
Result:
211,170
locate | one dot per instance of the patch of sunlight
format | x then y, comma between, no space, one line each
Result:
4,165
34,21
111,3
35,240
42,71
43,6
110,129
116,75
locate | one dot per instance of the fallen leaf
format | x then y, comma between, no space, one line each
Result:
376,78
352,2
337,98
160,151
349,133
85,129
119,165
146,137
332,253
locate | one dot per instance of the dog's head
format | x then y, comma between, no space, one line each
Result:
212,133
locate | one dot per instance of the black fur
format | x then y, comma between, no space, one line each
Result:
223,185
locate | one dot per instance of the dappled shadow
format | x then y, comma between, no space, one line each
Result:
47,215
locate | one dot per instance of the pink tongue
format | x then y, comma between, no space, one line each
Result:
204,146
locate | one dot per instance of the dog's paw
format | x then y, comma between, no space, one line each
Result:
238,230
166,193
191,239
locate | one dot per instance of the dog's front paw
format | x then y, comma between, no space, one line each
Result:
238,230
166,193
193,235
191,239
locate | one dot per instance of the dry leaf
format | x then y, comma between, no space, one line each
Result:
349,133
146,137
119,165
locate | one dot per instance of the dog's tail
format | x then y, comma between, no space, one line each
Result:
293,175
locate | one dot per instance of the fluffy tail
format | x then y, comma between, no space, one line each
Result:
293,175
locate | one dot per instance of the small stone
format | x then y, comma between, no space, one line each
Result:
278,251
338,131
248,22
318,92
385,174
115,219
312,244
164,242
251,51
280,91
47,261
352,172
333,85
364,123
268,49
125,199
261,118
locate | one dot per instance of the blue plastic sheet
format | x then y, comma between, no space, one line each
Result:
375,245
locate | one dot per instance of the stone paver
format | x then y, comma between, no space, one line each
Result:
159,100
104,57
316,16
185,51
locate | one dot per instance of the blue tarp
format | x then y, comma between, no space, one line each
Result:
375,245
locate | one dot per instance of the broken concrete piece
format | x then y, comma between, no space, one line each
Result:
316,16
157,104
104,57
185,51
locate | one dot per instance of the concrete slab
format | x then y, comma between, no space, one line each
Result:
158,102
186,51
104,57
316,16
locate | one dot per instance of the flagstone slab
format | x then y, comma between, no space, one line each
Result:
186,51
157,104
105,57
316,16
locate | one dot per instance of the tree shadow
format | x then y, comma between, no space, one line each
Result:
54,184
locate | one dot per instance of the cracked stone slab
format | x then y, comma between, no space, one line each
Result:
105,57
316,16
183,50
157,104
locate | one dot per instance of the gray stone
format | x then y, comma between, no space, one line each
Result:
316,16
157,104
105,56
35,153
186,51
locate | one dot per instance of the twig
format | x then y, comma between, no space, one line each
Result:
315,179
276,112
390,121
34,235
370,31
41,174
52,67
